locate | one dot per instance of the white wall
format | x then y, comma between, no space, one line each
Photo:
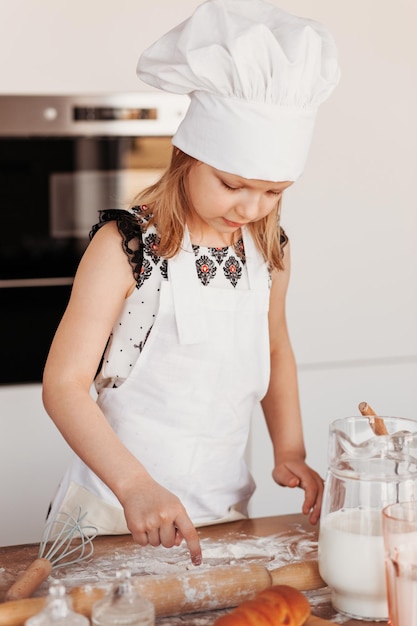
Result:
352,220
352,217
74,46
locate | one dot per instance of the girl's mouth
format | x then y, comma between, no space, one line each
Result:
232,224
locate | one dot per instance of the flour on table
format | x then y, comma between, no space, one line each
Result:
273,551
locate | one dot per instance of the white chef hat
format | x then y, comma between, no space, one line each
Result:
255,75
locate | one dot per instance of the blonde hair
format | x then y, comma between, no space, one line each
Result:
167,205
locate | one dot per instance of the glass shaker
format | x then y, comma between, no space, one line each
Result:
123,606
57,610
365,473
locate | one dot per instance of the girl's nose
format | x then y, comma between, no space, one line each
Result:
249,209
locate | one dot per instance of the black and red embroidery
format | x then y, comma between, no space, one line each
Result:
219,254
151,246
206,266
145,273
206,269
240,250
141,248
233,270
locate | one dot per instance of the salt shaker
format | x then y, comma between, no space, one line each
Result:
57,610
123,606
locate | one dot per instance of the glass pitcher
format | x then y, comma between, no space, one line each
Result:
365,473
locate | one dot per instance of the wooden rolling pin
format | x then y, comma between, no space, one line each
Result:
200,590
376,423
313,620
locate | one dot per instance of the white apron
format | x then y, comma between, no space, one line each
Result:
185,409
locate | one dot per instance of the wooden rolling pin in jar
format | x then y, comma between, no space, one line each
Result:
188,592
376,423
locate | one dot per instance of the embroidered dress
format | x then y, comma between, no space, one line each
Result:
223,267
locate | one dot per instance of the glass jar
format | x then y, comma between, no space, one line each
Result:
57,610
123,606
366,472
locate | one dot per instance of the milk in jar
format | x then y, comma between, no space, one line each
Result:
352,563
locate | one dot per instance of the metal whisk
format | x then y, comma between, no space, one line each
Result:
65,541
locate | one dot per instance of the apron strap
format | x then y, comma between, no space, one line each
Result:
188,303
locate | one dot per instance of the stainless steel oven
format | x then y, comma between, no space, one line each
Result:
63,159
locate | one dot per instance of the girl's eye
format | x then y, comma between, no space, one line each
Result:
229,187
271,192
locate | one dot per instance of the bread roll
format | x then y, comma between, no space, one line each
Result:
278,605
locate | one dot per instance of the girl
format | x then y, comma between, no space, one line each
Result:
185,292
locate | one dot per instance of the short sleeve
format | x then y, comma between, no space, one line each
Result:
131,232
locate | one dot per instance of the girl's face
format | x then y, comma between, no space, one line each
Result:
222,203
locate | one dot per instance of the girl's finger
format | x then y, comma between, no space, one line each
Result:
154,537
167,533
188,531
140,538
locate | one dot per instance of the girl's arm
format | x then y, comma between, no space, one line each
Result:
281,404
103,281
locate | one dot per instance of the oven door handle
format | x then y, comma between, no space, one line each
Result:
36,282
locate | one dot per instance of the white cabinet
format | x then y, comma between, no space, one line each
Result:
33,456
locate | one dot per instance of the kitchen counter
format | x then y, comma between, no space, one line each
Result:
270,541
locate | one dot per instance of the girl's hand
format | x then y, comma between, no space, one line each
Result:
296,473
156,516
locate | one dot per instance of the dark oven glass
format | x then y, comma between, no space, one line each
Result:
51,191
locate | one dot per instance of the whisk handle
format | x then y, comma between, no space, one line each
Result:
30,579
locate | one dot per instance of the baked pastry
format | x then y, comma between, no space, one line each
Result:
279,605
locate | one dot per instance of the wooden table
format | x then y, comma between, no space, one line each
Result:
289,535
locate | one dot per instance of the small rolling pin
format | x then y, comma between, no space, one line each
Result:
200,590
376,423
